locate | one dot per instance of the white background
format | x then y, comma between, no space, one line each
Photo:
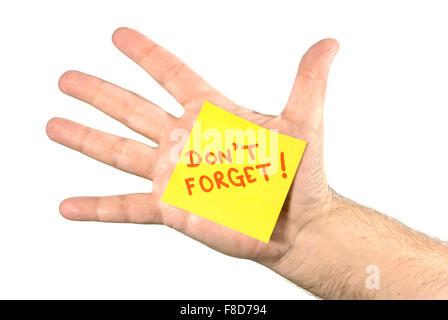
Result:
386,115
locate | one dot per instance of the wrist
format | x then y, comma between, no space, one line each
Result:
329,253
334,254
308,248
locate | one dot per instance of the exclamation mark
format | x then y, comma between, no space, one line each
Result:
282,162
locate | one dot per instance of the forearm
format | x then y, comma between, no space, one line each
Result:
350,245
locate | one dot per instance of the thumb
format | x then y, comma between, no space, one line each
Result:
308,93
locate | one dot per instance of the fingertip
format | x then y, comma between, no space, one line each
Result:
68,208
119,34
52,127
325,48
310,84
316,62
332,45
120,30
132,43
67,79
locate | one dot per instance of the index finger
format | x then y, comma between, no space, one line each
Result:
168,70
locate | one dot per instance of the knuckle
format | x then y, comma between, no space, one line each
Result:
118,152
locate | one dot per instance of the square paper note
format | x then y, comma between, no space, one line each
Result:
234,172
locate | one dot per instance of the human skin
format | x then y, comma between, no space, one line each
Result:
322,241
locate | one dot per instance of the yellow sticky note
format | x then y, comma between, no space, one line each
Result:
234,172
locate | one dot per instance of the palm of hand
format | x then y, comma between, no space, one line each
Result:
302,118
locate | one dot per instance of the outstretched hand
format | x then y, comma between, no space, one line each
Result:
309,196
